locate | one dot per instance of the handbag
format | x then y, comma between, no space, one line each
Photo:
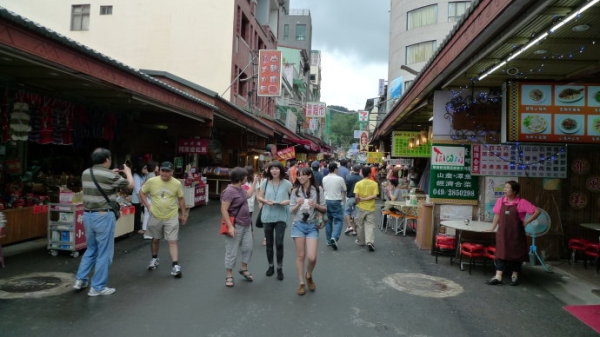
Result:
223,228
115,207
259,223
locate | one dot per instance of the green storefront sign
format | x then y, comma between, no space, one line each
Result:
450,177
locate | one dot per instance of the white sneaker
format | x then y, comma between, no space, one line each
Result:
153,264
176,271
80,284
104,292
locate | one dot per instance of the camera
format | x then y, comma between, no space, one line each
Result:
305,216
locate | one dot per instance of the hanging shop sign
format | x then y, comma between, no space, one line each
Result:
550,112
269,72
520,160
450,179
286,154
192,145
315,109
401,148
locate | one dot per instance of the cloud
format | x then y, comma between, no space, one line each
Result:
352,36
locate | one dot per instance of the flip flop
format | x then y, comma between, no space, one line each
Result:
247,275
229,282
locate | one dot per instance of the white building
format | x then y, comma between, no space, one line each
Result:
209,43
417,29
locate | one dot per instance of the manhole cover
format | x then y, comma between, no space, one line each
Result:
35,285
423,285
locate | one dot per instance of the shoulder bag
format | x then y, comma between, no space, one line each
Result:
259,223
115,207
223,228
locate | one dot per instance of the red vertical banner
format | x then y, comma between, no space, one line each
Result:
269,72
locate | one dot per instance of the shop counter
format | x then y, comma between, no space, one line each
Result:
424,237
25,223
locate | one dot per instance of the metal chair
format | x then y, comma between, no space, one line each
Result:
592,250
576,245
2,236
446,245
472,251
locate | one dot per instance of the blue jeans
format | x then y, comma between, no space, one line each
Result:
99,234
335,219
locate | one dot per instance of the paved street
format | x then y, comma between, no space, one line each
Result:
396,291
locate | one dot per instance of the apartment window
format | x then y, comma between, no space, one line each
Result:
419,52
286,31
301,32
421,17
457,9
80,17
106,10
245,29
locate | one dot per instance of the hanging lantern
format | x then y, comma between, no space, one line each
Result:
411,143
423,135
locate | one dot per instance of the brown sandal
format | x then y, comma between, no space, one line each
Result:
311,284
301,290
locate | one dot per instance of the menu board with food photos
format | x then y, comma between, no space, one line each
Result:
550,112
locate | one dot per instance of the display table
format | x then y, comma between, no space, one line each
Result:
25,223
125,223
410,210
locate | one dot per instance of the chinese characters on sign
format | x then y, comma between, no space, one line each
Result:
543,161
199,146
400,146
315,109
451,178
269,73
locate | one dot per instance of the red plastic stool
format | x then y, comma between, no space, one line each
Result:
490,252
576,245
472,251
592,250
444,244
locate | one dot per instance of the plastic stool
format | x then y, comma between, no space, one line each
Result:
575,245
444,244
472,251
592,250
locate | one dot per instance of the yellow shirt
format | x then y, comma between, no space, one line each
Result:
366,188
164,195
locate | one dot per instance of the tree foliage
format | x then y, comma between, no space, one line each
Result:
342,126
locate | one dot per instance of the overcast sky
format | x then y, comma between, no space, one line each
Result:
352,36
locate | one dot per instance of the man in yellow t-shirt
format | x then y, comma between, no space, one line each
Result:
166,194
365,192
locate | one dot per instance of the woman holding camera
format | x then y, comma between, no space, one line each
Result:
308,204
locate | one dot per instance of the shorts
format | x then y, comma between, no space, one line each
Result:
167,229
350,207
304,230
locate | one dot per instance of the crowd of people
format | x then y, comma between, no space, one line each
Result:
338,196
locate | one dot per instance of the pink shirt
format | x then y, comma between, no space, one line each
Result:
523,206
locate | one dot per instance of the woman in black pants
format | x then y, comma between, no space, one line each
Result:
275,196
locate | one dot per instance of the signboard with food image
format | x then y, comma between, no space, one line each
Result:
549,112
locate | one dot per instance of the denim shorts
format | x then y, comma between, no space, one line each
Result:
304,230
350,207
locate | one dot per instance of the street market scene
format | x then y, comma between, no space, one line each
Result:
157,181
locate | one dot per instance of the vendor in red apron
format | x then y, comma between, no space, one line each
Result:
511,242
